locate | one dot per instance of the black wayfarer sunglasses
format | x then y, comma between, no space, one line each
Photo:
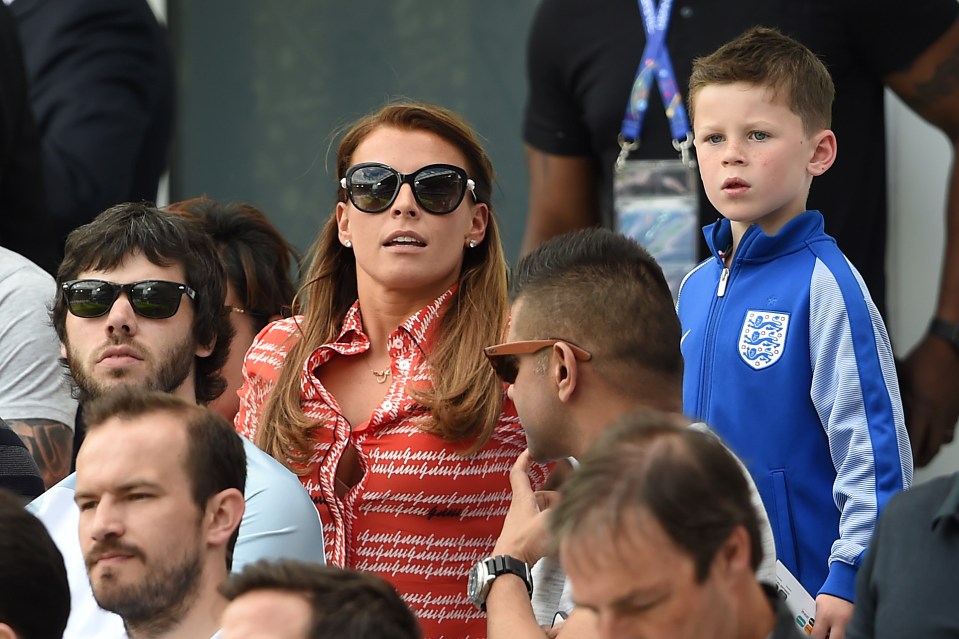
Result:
153,299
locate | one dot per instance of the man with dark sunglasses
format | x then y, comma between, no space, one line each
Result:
593,336
141,305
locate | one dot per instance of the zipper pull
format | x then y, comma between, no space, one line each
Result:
723,279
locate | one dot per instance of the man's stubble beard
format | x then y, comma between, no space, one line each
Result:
160,601
168,376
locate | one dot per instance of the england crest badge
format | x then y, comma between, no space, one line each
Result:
762,339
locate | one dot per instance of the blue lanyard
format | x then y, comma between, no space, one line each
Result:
655,65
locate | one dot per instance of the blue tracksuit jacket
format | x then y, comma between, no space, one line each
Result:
787,358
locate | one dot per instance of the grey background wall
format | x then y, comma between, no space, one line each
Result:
263,86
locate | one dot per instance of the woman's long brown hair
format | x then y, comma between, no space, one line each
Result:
465,400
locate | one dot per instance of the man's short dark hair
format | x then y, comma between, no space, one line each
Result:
257,257
654,463
215,459
605,293
164,239
346,604
34,591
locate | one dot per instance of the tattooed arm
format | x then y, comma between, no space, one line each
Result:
929,375
50,443
35,398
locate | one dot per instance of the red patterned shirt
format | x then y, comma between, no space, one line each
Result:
422,514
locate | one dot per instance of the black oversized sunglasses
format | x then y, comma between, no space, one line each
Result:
153,299
438,188
504,358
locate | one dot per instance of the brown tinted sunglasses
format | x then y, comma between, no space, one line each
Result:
504,358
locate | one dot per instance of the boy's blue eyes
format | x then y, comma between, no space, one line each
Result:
716,138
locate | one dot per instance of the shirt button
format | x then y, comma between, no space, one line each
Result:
387,405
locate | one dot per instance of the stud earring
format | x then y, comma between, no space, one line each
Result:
472,243
348,244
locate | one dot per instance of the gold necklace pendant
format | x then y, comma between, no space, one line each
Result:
381,376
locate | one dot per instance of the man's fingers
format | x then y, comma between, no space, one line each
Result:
929,439
546,499
928,378
922,440
518,475
948,434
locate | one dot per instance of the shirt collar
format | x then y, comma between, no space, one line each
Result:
950,505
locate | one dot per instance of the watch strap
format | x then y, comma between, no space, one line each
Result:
948,331
504,564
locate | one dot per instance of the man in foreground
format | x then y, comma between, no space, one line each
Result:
659,537
297,600
159,487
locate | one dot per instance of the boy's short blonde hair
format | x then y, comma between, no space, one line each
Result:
765,57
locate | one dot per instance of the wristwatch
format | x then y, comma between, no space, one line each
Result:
484,572
948,331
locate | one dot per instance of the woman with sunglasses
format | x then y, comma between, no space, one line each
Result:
378,395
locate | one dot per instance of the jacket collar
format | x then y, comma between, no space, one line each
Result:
759,247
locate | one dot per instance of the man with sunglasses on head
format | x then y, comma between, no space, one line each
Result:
141,304
593,336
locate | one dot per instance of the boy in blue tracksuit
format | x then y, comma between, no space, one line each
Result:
785,354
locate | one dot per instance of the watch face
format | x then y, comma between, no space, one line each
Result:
475,583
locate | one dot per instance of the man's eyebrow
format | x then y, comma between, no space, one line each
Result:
622,599
629,596
122,489
644,596
137,484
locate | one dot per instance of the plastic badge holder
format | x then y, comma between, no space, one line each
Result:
657,204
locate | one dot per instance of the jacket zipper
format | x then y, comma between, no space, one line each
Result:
723,280
712,319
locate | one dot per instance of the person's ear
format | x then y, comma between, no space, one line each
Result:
224,511
207,350
565,370
6,632
733,559
478,224
824,152
343,224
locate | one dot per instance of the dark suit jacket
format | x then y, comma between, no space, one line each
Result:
22,209
102,94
